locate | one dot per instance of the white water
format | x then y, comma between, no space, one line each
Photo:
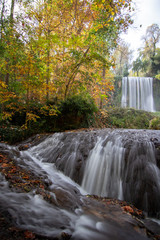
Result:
64,150
137,92
30,211
135,179
103,171
107,173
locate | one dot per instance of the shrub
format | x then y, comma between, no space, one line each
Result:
76,111
14,134
155,123
129,118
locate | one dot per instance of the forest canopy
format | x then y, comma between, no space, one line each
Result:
51,50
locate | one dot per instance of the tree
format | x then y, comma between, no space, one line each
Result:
78,34
149,53
157,60
137,66
57,49
122,59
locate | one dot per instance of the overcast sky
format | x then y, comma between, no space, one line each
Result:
147,12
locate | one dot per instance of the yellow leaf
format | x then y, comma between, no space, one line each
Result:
2,84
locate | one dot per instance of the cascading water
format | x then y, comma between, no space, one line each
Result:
103,172
67,151
123,165
110,163
137,92
113,163
141,178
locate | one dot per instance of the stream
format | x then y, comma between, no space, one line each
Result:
117,164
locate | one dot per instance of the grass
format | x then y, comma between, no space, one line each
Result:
130,118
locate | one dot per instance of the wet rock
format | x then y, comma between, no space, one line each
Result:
57,210
152,227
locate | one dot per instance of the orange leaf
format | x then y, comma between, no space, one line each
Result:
25,177
128,209
41,186
4,165
29,235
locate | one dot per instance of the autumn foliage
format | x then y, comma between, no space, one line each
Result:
52,50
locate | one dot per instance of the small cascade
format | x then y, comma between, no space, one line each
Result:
120,164
103,172
137,92
141,177
123,165
68,151
30,211
110,163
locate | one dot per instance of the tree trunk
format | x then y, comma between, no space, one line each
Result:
7,72
103,76
11,26
12,12
73,74
48,75
48,64
2,15
153,59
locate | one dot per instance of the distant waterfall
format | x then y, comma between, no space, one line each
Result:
137,92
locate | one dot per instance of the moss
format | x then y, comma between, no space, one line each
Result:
129,118
155,123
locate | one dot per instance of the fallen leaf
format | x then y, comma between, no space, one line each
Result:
25,177
4,165
128,209
29,235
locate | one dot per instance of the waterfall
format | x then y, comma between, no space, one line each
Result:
103,170
141,178
120,164
123,165
68,151
137,92
110,163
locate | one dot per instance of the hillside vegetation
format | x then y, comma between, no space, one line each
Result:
131,118
75,112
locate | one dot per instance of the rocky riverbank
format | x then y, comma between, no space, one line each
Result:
99,218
